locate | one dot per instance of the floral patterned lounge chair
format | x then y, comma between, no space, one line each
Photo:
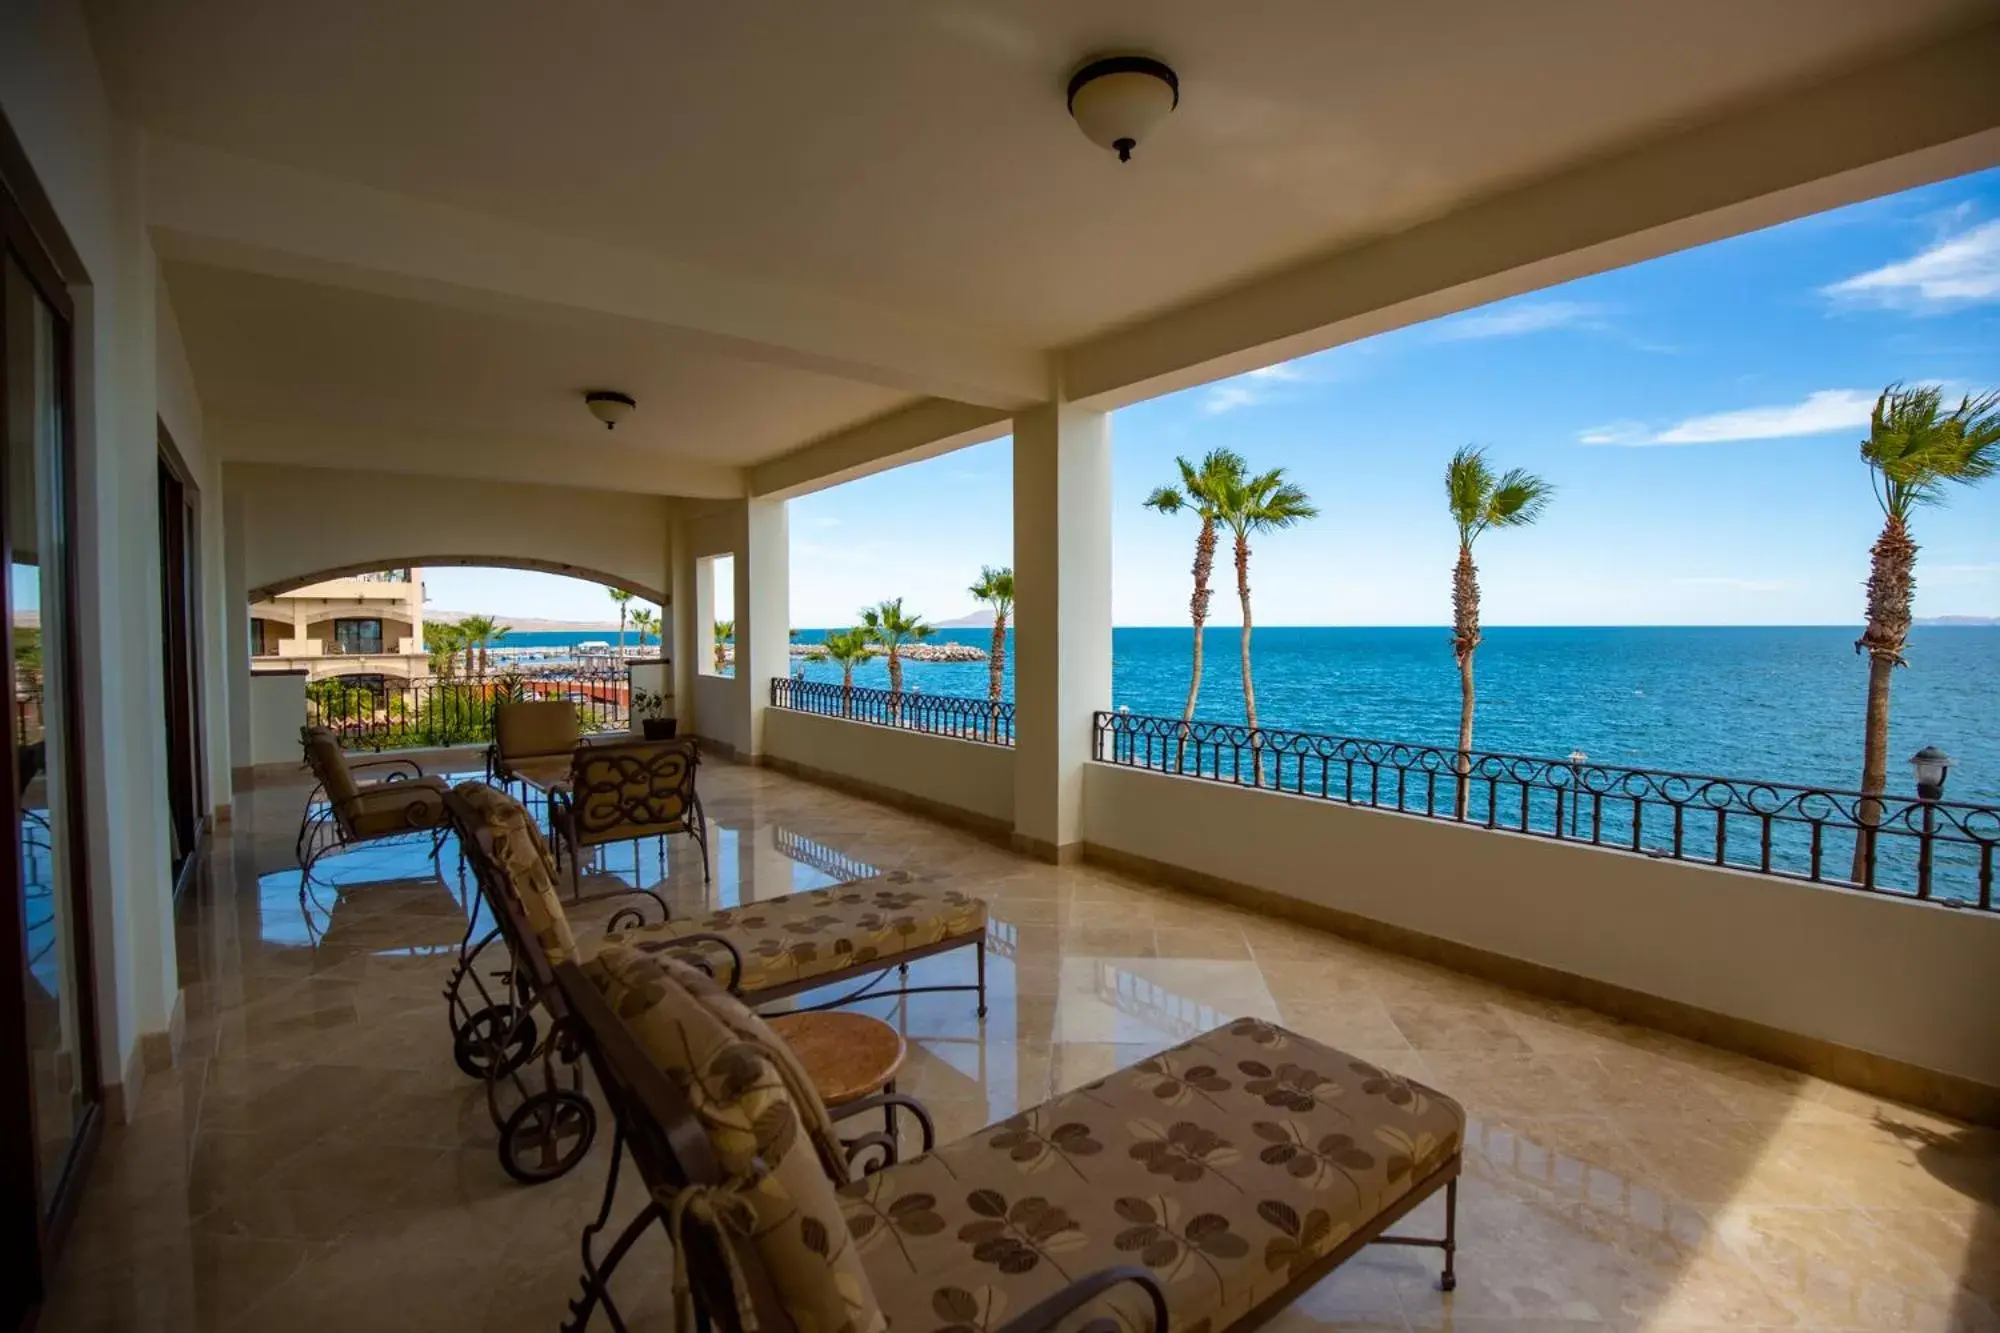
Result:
1199,1191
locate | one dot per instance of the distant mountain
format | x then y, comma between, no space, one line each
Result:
976,620
528,624
1956,620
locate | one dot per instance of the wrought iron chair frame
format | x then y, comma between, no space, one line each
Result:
501,1037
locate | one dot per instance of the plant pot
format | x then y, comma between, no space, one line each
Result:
659,728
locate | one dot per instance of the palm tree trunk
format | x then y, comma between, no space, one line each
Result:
847,689
895,686
1464,642
1249,685
1204,568
621,631
998,660
1891,592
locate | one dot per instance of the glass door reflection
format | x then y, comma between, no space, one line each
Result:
59,1050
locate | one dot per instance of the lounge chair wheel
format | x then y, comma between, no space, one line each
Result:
1448,1283
547,1135
495,1031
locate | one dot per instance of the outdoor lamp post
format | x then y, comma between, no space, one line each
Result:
1932,766
1576,761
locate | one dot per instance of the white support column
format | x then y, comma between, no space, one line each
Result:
1062,627
763,614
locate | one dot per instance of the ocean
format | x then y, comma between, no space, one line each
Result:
1778,703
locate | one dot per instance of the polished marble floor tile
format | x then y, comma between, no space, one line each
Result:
317,1161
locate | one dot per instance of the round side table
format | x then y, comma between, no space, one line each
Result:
847,1056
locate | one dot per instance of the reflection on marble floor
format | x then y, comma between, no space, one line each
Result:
317,1162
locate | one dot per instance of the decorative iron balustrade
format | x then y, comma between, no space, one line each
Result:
383,713
1942,851
933,714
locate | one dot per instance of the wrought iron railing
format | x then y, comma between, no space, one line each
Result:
1943,851
383,713
934,714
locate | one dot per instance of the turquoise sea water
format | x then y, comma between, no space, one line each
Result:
1771,702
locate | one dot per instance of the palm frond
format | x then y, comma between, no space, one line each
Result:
995,587
1915,447
1467,484
1519,498
1166,499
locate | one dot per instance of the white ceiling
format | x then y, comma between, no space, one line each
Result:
895,174
916,153
264,348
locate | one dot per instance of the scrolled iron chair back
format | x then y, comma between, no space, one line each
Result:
634,787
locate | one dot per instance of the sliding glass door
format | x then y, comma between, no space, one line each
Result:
49,1086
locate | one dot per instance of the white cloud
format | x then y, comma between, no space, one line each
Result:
1822,413
1512,321
1959,270
1731,582
1251,388
1954,574
1617,432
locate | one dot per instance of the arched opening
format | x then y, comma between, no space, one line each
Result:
419,653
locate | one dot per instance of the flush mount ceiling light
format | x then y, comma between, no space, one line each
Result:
1117,100
609,407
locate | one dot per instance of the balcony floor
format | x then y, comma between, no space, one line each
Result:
317,1161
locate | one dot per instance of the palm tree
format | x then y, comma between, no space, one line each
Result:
645,621
850,648
892,627
1198,490
996,589
479,631
1913,448
1263,503
725,632
1479,500
620,596
443,640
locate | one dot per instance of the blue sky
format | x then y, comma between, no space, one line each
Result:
1698,413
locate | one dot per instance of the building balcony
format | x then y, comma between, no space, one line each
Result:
317,1159
323,660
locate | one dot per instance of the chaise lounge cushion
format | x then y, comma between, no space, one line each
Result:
508,836
1225,1166
784,941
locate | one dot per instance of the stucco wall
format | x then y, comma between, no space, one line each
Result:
277,706
963,775
301,521
1907,980
89,166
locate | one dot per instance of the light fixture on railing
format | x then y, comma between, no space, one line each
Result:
1932,766
1117,100
609,406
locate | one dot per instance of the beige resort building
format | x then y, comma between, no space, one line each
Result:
362,625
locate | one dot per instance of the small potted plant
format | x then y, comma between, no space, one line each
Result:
651,709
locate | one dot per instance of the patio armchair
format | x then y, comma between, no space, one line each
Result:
626,790
531,732
1206,1187
350,804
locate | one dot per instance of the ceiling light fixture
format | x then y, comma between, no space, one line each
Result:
608,406
1117,100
